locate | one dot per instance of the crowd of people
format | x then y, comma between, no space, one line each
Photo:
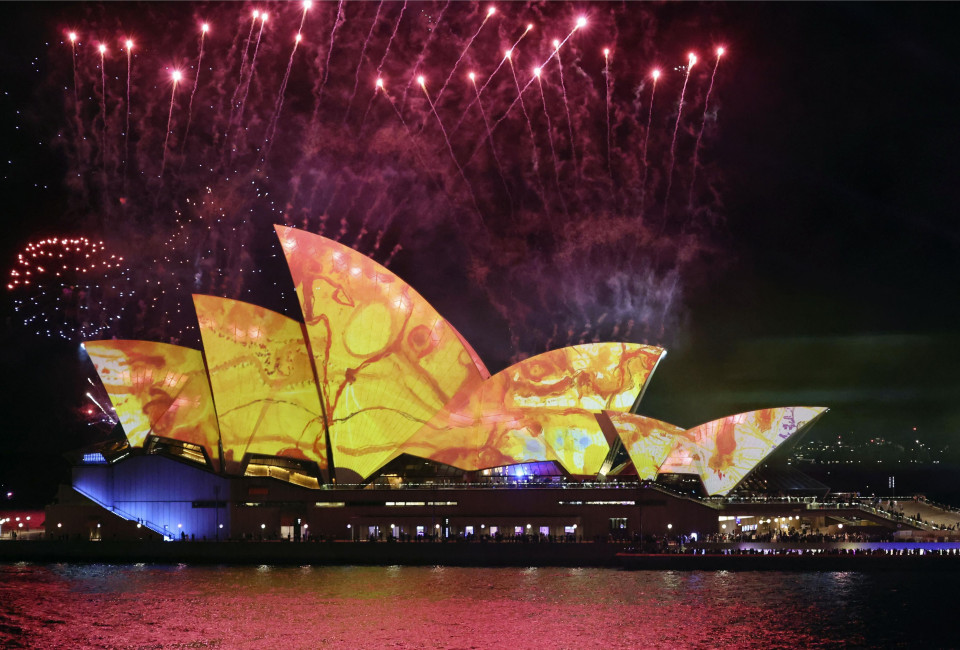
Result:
801,537
875,552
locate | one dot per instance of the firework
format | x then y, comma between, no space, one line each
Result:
272,126
581,22
69,288
176,76
423,51
703,124
393,36
533,137
422,81
128,43
493,148
691,60
492,75
204,28
243,61
103,110
363,51
655,75
456,65
566,104
383,59
608,86
394,180
73,61
307,4
250,70
553,151
333,37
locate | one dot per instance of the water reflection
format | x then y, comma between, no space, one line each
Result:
67,606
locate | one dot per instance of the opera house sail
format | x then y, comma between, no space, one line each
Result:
370,375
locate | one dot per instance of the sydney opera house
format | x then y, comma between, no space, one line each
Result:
373,417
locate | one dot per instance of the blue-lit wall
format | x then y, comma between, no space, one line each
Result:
160,492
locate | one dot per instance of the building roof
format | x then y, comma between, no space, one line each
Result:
374,372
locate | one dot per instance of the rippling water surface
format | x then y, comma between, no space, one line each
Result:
152,606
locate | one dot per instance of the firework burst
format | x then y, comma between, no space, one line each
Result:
70,288
252,144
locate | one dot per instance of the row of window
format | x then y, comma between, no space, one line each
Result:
329,504
375,531
597,503
404,504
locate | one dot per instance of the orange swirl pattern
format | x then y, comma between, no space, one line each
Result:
648,442
729,448
265,393
386,360
390,376
540,409
160,389
721,452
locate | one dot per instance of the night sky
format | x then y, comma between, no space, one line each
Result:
813,262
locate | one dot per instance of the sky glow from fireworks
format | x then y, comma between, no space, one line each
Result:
560,250
802,196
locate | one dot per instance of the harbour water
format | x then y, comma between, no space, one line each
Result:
181,606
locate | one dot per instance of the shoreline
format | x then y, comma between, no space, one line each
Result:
840,556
